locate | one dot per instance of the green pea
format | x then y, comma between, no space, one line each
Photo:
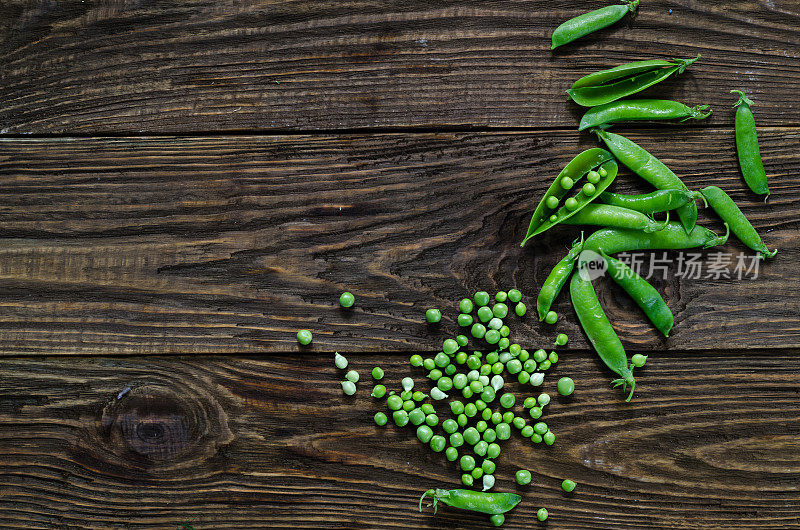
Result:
381,419
540,428
589,189
497,519
497,417
462,341
433,316
488,466
536,438
464,320
416,360
543,399
424,434
467,480
530,366
488,394
462,420
515,349
497,368
539,355
537,378
416,416
523,377
514,295
545,365
593,177
524,355
508,416
486,415
551,317
467,392
549,438
495,323
450,369
514,366
500,311
484,314
489,435
400,418
394,402
526,431
473,362
435,374
477,473
505,331
492,357
568,485
518,422
566,386
507,400
429,364
465,305
476,386
427,408
553,218
502,343
638,360
341,361
562,339
451,453
503,431
471,435
492,336
432,420
459,381
552,202
438,443
542,514
481,426
481,298
444,384
441,359
378,391
493,451
456,407
602,172
486,370
456,439
347,299
461,357
481,448
553,357
571,204
523,477
418,396
449,346
304,337
567,183
478,330
449,426
488,482
408,405
536,413
520,309
467,463
529,402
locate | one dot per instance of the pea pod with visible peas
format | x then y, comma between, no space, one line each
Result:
644,294
651,169
587,23
672,237
595,323
550,212
614,216
747,146
727,210
649,203
556,279
610,85
477,501
641,110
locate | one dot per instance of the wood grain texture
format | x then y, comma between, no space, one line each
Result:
141,67
235,442
201,245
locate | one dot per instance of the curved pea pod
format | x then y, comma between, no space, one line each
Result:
601,334
649,203
747,146
644,294
557,279
727,210
476,501
641,110
672,237
651,169
610,85
573,172
587,23
614,216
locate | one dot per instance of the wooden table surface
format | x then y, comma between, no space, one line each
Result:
185,185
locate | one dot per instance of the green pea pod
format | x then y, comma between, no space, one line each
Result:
644,294
614,216
556,279
651,169
587,23
476,501
672,237
649,203
641,110
625,70
747,146
601,334
599,94
727,210
545,218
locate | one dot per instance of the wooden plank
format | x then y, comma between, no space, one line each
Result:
200,245
273,442
88,67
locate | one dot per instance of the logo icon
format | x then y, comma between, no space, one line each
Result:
591,265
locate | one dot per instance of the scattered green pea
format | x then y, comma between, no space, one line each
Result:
481,426
451,453
340,361
500,310
504,331
304,337
400,418
503,342
348,387
477,473
488,482
492,336
523,477
481,298
427,408
449,346
467,480
529,402
520,309
347,299
497,519
478,330
456,407
503,431
429,364
438,443
381,419
441,359
549,438
562,339
471,435
545,365
536,412
523,377
378,391
484,314
433,316
418,396
424,434
462,341
465,305
467,463
539,355
543,399
462,420
542,514
566,386
540,428
432,420
589,189
461,357
537,379
464,320
638,360
486,415
526,432
488,466
536,438
568,485
518,422
481,448
493,451
514,366
377,373
435,374
507,400
553,357
551,317
489,435
409,405
416,416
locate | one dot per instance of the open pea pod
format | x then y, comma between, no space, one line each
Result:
550,205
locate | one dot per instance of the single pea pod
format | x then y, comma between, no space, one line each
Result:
747,146
557,279
651,169
610,85
587,23
649,203
601,334
645,295
615,217
727,210
476,501
672,237
641,110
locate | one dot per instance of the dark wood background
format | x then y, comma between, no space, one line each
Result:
184,185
